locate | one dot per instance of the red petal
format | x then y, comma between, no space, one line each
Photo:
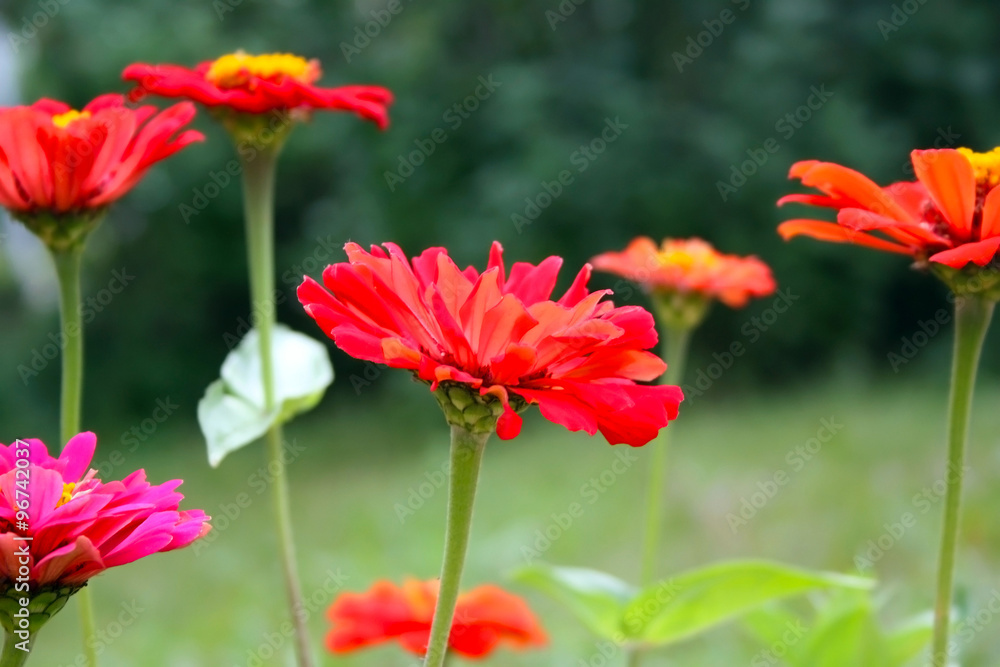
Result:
980,252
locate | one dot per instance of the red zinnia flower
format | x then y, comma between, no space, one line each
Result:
689,267
258,85
57,161
485,341
949,215
78,526
484,618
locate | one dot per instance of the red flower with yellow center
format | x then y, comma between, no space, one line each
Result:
491,343
261,84
57,161
485,618
689,267
950,215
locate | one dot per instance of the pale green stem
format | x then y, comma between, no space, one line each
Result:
466,456
258,203
68,264
972,319
675,345
13,656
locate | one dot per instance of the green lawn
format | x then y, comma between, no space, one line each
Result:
218,605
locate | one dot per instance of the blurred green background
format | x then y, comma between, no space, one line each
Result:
890,77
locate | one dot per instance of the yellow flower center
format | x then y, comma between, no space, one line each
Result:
686,257
64,119
986,166
67,494
236,69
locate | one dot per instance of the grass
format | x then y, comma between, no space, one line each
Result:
222,605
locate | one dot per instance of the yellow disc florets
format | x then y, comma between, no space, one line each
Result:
236,69
64,119
687,255
67,494
986,166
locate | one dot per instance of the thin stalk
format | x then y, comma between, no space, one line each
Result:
972,319
13,656
68,263
258,205
675,346
466,457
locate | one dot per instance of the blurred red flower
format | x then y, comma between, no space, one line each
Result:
949,215
689,267
498,339
259,84
484,618
57,161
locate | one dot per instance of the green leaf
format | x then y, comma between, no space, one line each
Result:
698,600
229,422
597,599
846,632
232,413
908,640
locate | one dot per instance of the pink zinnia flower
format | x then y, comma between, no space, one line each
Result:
78,526
489,344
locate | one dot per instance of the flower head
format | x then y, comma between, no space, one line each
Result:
949,216
248,84
484,618
689,267
59,163
73,526
490,343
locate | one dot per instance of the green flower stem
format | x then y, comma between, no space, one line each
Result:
68,271
972,319
258,203
68,262
466,456
675,346
13,656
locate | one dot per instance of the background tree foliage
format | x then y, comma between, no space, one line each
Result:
698,88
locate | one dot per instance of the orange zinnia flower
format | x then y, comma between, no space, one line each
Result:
261,84
490,344
689,267
950,215
484,618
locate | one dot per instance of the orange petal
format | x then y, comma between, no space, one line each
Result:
839,181
828,231
951,183
991,215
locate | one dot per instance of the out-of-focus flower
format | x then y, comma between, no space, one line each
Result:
950,215
60,167
485,618
689,267
490,344
248,84
60,525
